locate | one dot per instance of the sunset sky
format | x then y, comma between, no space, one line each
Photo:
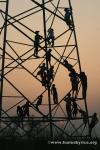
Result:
87,20
86,15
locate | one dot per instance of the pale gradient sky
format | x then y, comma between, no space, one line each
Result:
87,20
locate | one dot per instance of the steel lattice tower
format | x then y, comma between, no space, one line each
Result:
19,68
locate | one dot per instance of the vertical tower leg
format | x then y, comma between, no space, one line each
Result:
48,86
3,54
78,58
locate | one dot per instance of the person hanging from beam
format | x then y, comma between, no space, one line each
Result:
68,100
54,93
93,122
74,82
83,79
67,18
39,101
37,39
84,116
20,116
74,108
50,37
48,56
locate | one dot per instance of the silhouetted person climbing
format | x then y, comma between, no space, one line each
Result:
50,37
20,115
37,43
26,109
42,73
83,79
48,56
44,79
74,107
84,115
39,101
67,17
74,82
93,122
68,100
67,65
55,94
50,74
42,69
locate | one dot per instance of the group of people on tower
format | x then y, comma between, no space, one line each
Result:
54,94
47,77
71,106
23,111
73,109
50,32
75,78
50,40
